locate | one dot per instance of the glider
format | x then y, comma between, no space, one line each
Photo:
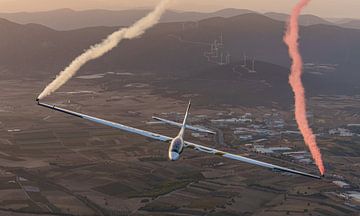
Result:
178,144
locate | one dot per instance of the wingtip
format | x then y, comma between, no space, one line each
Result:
297,172
189,106
320,177
315,176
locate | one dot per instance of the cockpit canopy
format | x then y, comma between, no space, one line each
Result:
177,145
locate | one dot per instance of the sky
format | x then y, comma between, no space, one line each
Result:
324,8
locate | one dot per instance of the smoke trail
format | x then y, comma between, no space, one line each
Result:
105,46
291,39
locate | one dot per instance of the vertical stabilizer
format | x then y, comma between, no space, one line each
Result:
181,134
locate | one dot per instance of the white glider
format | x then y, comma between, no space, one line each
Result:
177,144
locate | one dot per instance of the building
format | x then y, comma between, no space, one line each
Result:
245,137
232,120
271,150
342,184
341,132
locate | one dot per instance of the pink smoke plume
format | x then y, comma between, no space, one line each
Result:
291,39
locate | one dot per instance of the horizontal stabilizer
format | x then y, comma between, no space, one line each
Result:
197,129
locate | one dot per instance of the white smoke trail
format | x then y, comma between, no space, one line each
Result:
105,46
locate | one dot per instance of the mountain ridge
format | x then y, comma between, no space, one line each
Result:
69,19
177,51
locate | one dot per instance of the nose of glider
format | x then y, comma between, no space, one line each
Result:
174,156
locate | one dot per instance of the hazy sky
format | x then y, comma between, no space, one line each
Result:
325,8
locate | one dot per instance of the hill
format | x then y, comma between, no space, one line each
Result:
67,19
305,20
175,55
352,24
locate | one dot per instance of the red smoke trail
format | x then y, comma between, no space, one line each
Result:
291,38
